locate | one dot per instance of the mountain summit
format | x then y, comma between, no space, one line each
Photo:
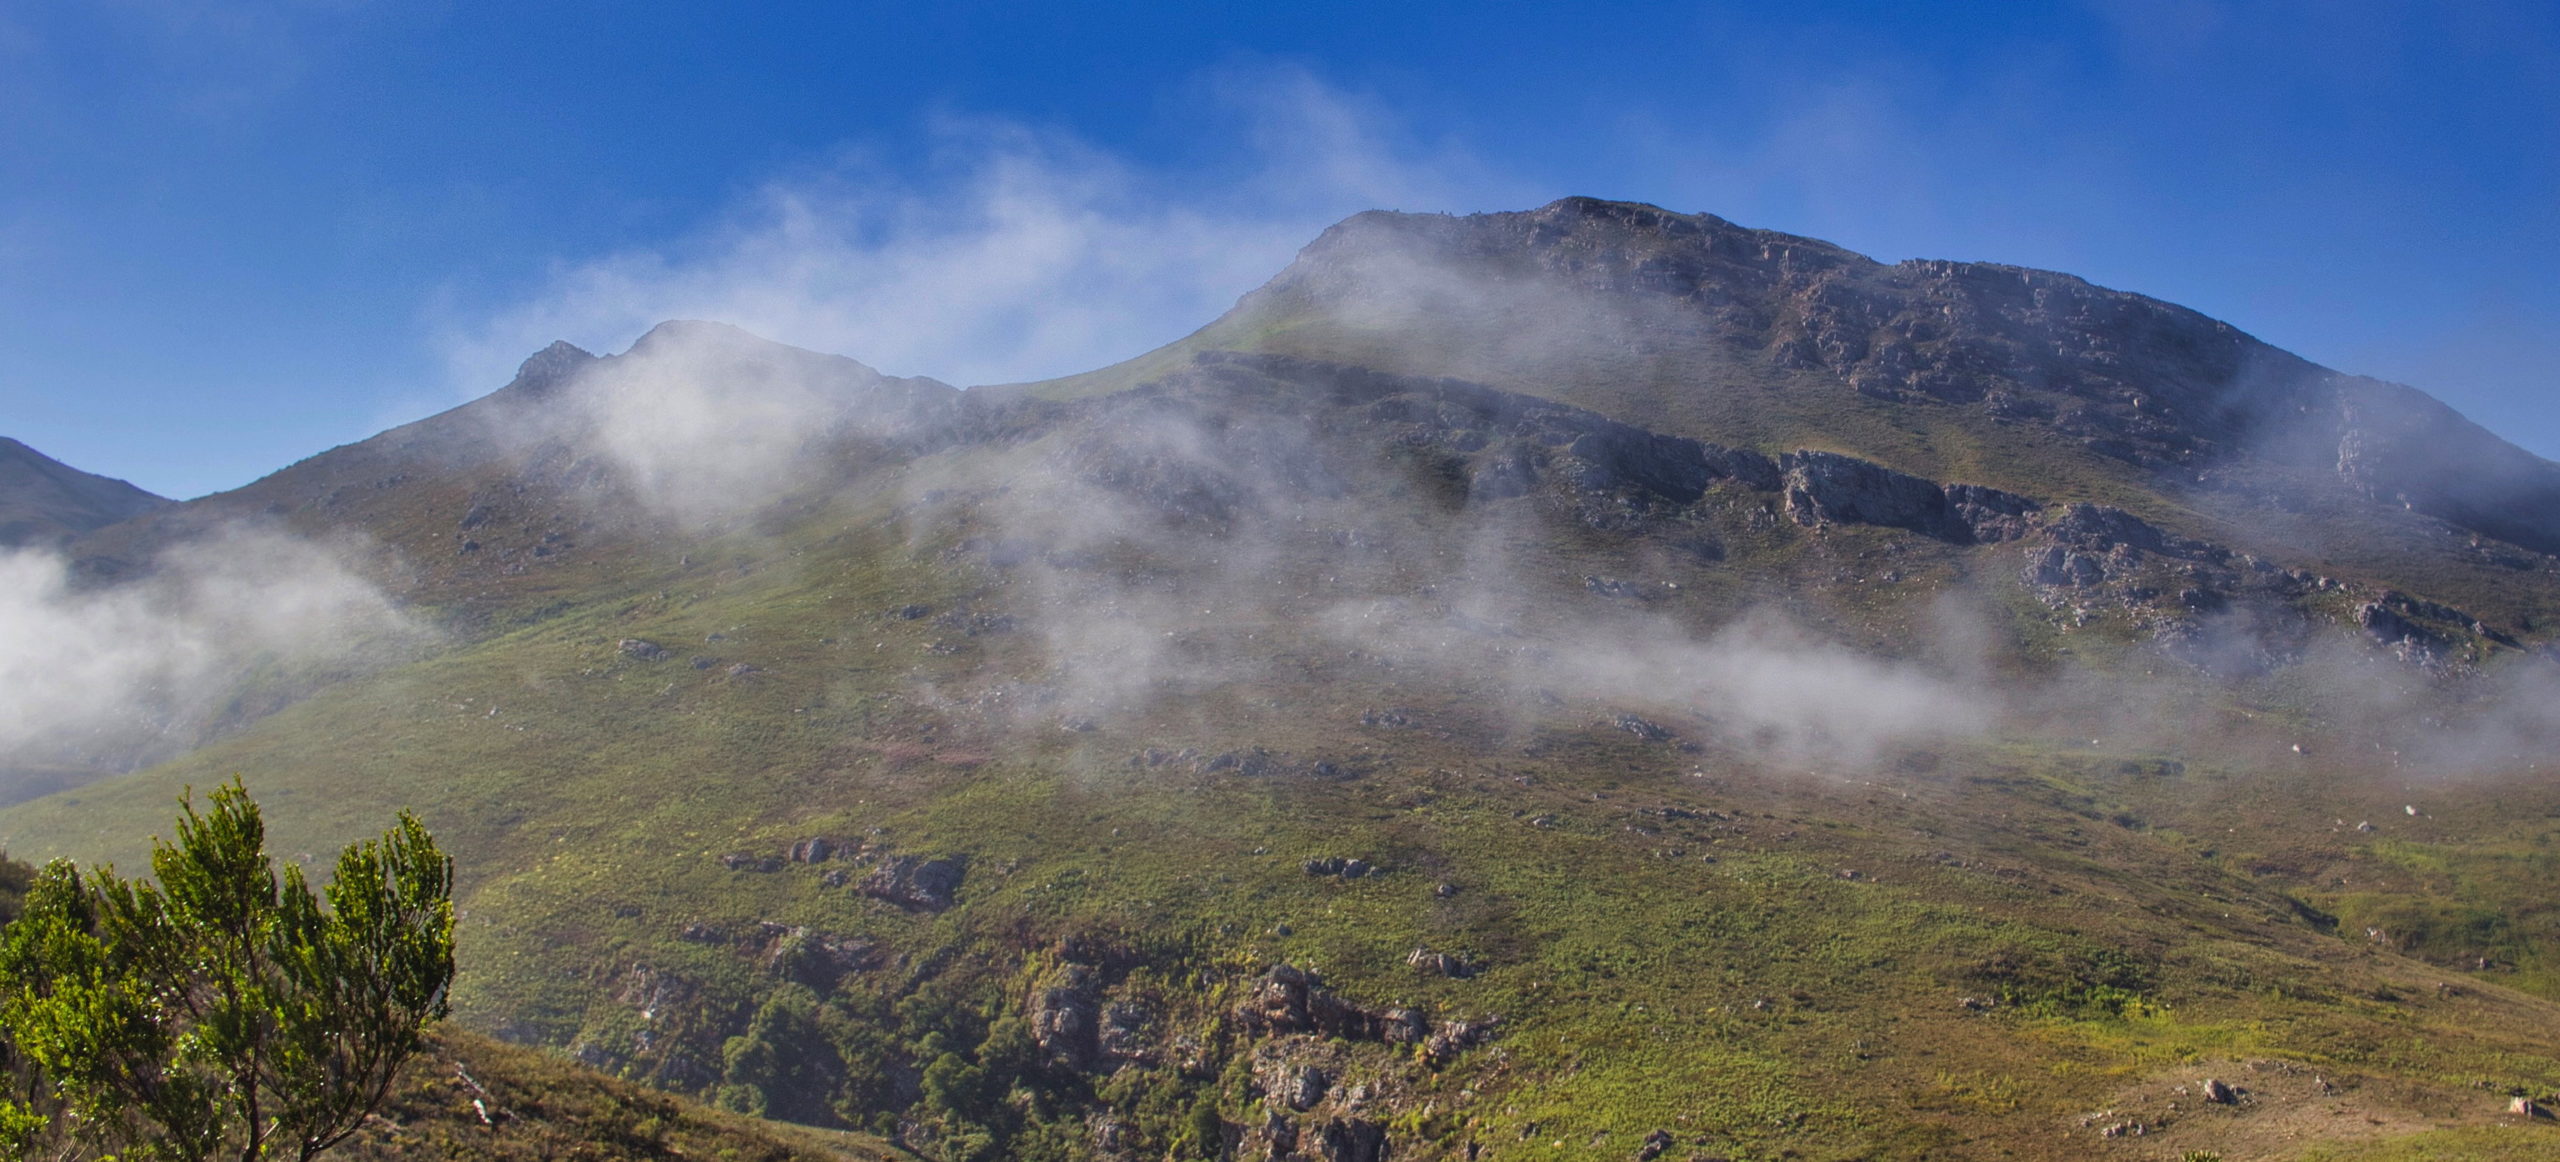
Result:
1624,305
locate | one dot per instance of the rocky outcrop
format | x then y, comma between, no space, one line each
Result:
1288,999
1066,1017
915,882
1829,488
1989,515
2392,628
1643,728
817,960
818,849
1343,868
1440,963
1352,1140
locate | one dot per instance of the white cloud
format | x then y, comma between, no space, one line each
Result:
114,675
1017,253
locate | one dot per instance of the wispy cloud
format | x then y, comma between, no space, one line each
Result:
106,677
1015,253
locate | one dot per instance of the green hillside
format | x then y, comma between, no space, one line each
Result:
1635,731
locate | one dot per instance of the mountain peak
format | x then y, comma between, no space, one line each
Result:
1774,340
550,366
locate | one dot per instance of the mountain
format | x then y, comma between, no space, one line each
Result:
44,501
1584,682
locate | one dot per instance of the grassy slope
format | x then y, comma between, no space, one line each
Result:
531,1105
1718,978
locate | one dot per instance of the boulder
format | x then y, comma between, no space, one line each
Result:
1440,964
643,650
1450,1038
915,882
1648,731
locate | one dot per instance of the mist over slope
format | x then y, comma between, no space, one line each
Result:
1562,676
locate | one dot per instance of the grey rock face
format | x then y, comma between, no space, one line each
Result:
914,882
1304,1088
2389,627
1352,1140
1828,488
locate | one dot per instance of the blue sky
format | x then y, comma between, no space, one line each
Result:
235,234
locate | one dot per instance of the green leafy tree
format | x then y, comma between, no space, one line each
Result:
222,1009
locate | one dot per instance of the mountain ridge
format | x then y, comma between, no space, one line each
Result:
1812,305
46,502
1471,697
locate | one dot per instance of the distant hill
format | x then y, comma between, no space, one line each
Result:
46,502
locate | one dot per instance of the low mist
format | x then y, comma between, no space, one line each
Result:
105,678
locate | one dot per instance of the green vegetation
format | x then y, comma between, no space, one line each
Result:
221,1011
1713,972
693,774
15,878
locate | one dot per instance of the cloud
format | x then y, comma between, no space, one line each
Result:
102,678
1242,532
1012,253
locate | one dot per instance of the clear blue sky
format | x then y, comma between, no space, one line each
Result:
235,234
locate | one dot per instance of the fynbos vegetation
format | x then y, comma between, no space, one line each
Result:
221,1009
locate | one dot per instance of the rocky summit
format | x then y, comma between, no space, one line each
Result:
1586,682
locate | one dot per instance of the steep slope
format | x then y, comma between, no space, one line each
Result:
45,502
2026,380
1485,704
